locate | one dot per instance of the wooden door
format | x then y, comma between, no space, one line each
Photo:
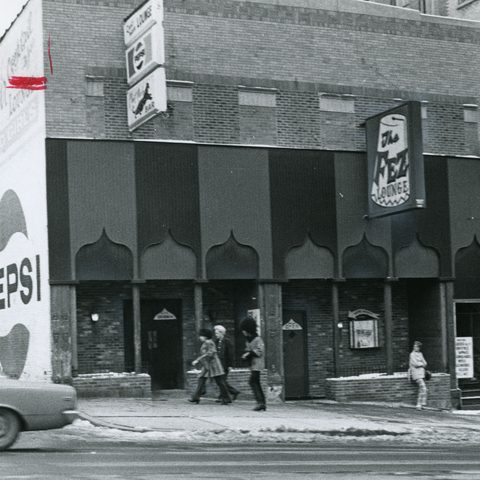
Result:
295,354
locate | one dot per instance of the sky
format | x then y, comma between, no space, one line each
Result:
9,9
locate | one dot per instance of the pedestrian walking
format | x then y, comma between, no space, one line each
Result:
255,356
226,354
417,373
211,368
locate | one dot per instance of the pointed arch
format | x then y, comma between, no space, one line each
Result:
232,260
104,260
168,259
365,260
309,260
417,261
467,271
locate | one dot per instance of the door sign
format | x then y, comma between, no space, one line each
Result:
292,325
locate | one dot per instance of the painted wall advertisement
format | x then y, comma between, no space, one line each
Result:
145,56
395,160
24,291
464,357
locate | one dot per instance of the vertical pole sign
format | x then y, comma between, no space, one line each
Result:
145,57
396,181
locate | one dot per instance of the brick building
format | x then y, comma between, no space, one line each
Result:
246,194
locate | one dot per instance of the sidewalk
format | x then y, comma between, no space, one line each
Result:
171,412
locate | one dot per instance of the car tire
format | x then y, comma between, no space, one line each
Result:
9,428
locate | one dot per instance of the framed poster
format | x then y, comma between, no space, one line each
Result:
363,329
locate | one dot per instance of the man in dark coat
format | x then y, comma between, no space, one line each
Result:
226,354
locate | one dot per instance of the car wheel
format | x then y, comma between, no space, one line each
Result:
9,428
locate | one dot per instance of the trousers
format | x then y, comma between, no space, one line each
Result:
257,387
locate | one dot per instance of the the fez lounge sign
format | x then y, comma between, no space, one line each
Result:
145,55
395,160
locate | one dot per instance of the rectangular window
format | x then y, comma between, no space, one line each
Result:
337,103
94,86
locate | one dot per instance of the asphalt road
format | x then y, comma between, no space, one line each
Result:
56,455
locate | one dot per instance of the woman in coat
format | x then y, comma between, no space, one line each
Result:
211,368
417,373
255,355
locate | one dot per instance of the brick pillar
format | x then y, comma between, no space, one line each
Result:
137,328
448,337
61,333
74,333
335,324
271,311
387,298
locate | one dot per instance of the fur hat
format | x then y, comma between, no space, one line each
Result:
249,325
204,332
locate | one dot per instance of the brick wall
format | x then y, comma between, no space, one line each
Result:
215,45
315,299
101,344
111,385
237,378
397,389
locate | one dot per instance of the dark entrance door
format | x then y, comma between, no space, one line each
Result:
295,354
161,323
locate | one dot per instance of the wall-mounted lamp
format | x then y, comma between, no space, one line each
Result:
340,325
95,317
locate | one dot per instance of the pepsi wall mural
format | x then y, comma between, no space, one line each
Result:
395,160
25,326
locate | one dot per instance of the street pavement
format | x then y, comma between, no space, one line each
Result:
170,416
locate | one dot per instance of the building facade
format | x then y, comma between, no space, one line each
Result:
245,194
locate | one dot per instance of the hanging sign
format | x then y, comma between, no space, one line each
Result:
142,19
395,160
464,357
147,98
145,54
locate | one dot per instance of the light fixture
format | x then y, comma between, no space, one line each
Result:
340,325
94,317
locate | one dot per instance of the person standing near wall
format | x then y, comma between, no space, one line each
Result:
255,356
417,373
226,355
211,368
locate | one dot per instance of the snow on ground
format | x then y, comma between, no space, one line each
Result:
415,435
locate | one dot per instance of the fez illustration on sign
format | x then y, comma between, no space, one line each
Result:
395,160
18,280
391,175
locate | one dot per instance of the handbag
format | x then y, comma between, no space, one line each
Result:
428,374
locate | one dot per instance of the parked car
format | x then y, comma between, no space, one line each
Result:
26,406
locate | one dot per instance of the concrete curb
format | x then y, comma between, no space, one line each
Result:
101,423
